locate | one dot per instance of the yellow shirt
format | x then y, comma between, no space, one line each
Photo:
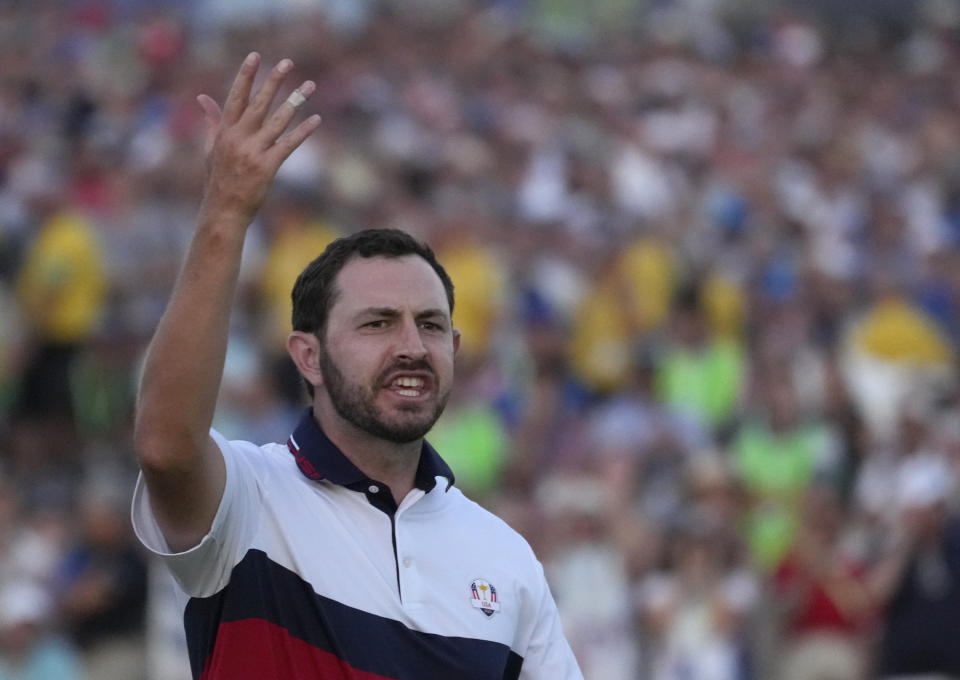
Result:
62,286
288,254
894,330
725,306
632,297
647,269
478,281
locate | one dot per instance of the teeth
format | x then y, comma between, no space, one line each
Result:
409,387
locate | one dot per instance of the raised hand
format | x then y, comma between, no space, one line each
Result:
244,145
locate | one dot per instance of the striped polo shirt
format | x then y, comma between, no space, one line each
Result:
311,570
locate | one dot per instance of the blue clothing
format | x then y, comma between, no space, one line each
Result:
50,659
923,619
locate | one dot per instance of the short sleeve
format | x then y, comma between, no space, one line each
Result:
205,568
548,655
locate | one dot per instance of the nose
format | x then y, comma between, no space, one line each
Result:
409,343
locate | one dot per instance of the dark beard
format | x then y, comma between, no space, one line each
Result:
356,406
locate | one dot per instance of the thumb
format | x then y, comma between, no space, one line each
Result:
211,121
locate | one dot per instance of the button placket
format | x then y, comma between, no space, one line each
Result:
409,567
408,561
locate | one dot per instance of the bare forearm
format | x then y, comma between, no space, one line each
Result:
181,465
185,361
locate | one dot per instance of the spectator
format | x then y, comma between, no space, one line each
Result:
588,572
61,289
827,605
777,453
919,580
630,298
295,232
29,648
696,610
103,586
472,430
698,372
893,349
479,279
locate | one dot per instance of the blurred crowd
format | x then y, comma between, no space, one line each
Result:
706,267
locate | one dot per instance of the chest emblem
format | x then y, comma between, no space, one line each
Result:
484,597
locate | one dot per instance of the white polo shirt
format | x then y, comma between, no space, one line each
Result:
310,570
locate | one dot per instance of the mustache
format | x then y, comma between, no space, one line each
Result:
420,365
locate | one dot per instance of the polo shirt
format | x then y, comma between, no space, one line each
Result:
310,570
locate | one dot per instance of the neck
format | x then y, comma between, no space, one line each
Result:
393,464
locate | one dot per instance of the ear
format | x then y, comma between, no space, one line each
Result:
304,349
456,340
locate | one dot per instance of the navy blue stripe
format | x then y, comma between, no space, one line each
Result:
262,589
319,458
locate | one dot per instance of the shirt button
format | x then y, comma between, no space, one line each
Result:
407,561
373,488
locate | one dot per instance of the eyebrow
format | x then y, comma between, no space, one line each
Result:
392,312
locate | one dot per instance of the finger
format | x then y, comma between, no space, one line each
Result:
211,120
290,141
240,90
281,118
211,110
260,103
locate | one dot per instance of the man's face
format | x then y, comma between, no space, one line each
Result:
387,363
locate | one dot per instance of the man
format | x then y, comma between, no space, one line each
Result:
918,581
29,649
347,553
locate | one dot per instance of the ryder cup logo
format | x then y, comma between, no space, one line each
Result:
484,597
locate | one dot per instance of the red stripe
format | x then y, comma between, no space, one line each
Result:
255,649
305,465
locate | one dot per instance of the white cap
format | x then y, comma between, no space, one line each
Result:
923,481
23,602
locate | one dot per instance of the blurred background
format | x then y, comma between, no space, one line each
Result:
705,254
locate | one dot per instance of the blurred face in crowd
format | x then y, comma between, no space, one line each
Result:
104,525
926,521
17,639
387,357
782,404
689,327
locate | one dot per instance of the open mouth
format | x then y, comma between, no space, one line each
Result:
407,386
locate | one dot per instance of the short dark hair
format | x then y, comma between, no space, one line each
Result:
314,292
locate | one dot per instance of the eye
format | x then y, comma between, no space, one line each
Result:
379,323
431,326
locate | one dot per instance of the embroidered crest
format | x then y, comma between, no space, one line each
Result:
484,597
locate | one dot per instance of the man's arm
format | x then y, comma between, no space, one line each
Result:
182,466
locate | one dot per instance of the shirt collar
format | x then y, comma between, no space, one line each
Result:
319,458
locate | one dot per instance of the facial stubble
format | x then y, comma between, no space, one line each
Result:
355,403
